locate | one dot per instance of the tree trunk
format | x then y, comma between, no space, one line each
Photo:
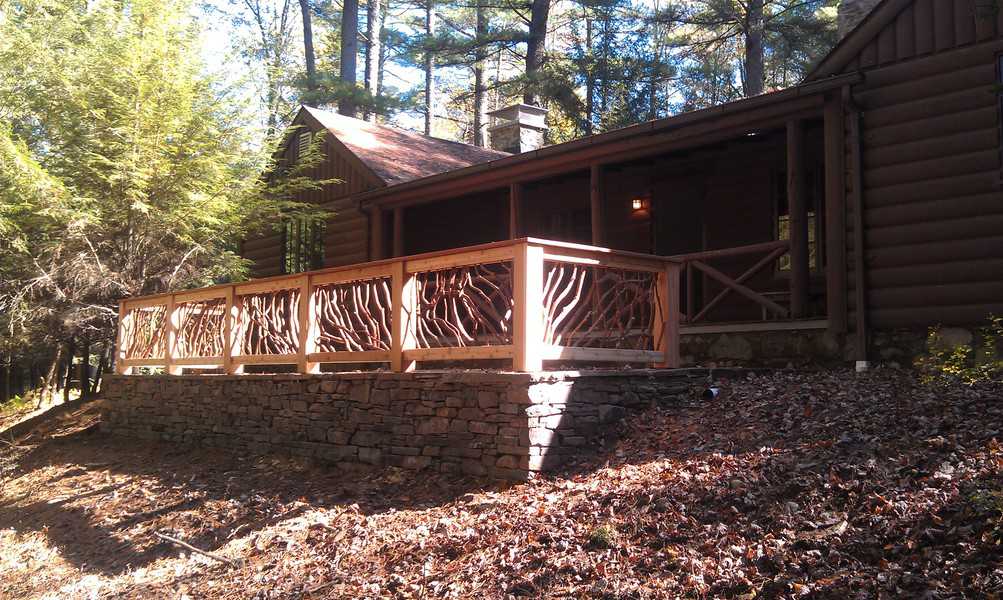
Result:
754,70
535,47
85,369
429,65
590,77
6,363
349,52
480,102
50,377
382,58
374,28
311,59
102,367
71,350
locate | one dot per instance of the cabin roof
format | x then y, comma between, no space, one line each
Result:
397,156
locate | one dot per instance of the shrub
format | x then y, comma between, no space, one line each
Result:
971,363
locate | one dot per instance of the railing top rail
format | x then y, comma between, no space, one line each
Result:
736,251
263,283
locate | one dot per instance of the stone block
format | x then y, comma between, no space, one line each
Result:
433,425
487,399
482,428
611,413
372,456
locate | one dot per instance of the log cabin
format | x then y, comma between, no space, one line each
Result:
838,218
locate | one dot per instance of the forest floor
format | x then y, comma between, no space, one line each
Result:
789,485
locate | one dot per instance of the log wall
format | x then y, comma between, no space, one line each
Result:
925,27
346,239
933,207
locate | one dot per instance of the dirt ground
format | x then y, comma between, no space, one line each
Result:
792,485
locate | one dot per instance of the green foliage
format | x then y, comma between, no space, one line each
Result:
604,536
124,168
965,363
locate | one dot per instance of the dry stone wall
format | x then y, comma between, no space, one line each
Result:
498,425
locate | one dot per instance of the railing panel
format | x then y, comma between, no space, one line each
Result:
201,328
464,306
269,323
143,332
353,316
526,300
593,306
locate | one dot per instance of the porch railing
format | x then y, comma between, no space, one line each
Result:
527,300
698,263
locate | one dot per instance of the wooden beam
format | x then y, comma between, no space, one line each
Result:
398,247
514,210
527,333
835,215
120,367
171,338
234,333
376,233
404,320
797,203
308,329
596,195
860,287
667,325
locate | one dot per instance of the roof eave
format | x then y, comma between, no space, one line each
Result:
384,195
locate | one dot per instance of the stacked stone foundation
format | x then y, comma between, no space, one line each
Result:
497,425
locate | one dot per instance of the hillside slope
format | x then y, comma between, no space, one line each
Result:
817,485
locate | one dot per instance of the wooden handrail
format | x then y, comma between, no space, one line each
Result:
300,317
697,260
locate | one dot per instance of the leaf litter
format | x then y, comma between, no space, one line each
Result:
824,484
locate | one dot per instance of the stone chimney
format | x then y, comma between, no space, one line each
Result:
852,12
518,128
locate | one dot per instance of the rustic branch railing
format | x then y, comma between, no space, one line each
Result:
697,261
527,300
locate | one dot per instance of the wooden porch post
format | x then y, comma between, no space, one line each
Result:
398,249
666,332
376,233
308,324
514,206
231,329
596,195
527,319
404,321
171,338
120,367
835,215
797,203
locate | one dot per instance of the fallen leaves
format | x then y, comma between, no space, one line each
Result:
788,485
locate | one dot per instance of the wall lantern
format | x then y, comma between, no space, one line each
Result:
637,203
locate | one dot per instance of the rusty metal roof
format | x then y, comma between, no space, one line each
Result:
396,155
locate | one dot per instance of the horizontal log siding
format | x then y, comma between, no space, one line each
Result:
346,238
933,217
927,27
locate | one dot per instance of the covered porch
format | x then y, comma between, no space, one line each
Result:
751,206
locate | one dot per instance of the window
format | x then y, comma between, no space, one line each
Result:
304,142
302,245
782,218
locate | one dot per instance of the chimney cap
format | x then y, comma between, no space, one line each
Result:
515,109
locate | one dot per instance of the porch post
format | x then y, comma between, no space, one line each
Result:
308,328
514,206
376,233
171,338
527,317
405,315
120,367
596,204
398,249
835,216
797,202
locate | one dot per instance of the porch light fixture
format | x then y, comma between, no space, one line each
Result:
637,203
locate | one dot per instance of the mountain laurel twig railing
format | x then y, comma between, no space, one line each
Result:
525,300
